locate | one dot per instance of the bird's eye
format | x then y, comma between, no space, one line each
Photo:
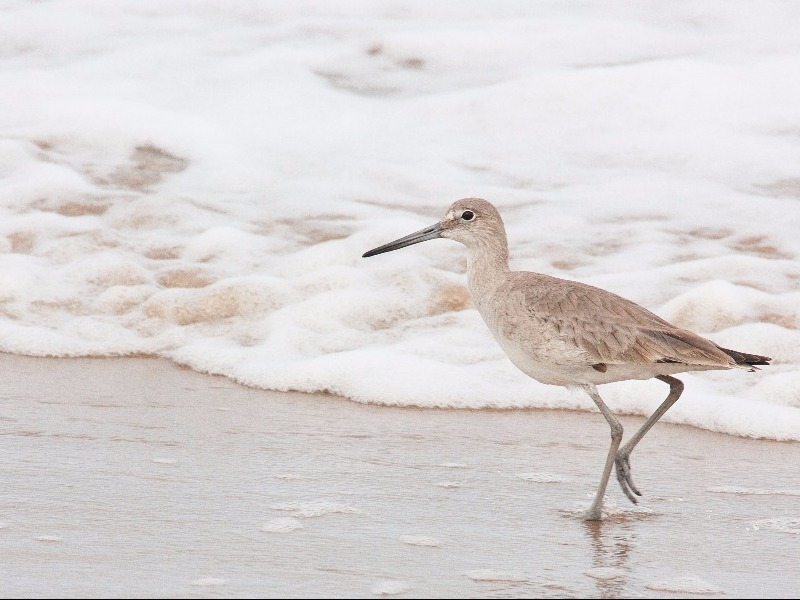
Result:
468,215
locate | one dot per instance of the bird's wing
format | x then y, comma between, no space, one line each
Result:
611,329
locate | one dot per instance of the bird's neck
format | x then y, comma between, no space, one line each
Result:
487,268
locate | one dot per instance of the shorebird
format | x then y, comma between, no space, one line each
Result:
571,334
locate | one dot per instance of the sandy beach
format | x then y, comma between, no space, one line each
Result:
138,478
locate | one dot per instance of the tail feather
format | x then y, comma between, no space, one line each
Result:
742,358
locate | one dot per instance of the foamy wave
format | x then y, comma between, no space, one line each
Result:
226,233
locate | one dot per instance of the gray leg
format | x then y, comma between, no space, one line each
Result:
623,456
595,512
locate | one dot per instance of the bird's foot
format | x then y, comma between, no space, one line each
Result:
623,468
593,514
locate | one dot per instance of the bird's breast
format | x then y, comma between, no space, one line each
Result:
534,348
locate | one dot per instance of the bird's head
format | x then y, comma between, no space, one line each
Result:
471,221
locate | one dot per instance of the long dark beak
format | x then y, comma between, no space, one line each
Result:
429,233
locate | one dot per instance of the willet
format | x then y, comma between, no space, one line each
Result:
571,334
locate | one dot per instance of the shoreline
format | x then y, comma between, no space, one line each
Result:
139,477
589,408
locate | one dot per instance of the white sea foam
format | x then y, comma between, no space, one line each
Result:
200,185
449,484
542,477
282,525
320,508
492,575
732,489
420,540
782,524
391,587
685,585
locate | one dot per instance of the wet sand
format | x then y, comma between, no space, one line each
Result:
137,478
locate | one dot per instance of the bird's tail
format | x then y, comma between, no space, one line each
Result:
746,360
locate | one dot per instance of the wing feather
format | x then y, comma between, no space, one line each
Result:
609,328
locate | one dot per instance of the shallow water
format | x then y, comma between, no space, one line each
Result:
199,183
133,477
